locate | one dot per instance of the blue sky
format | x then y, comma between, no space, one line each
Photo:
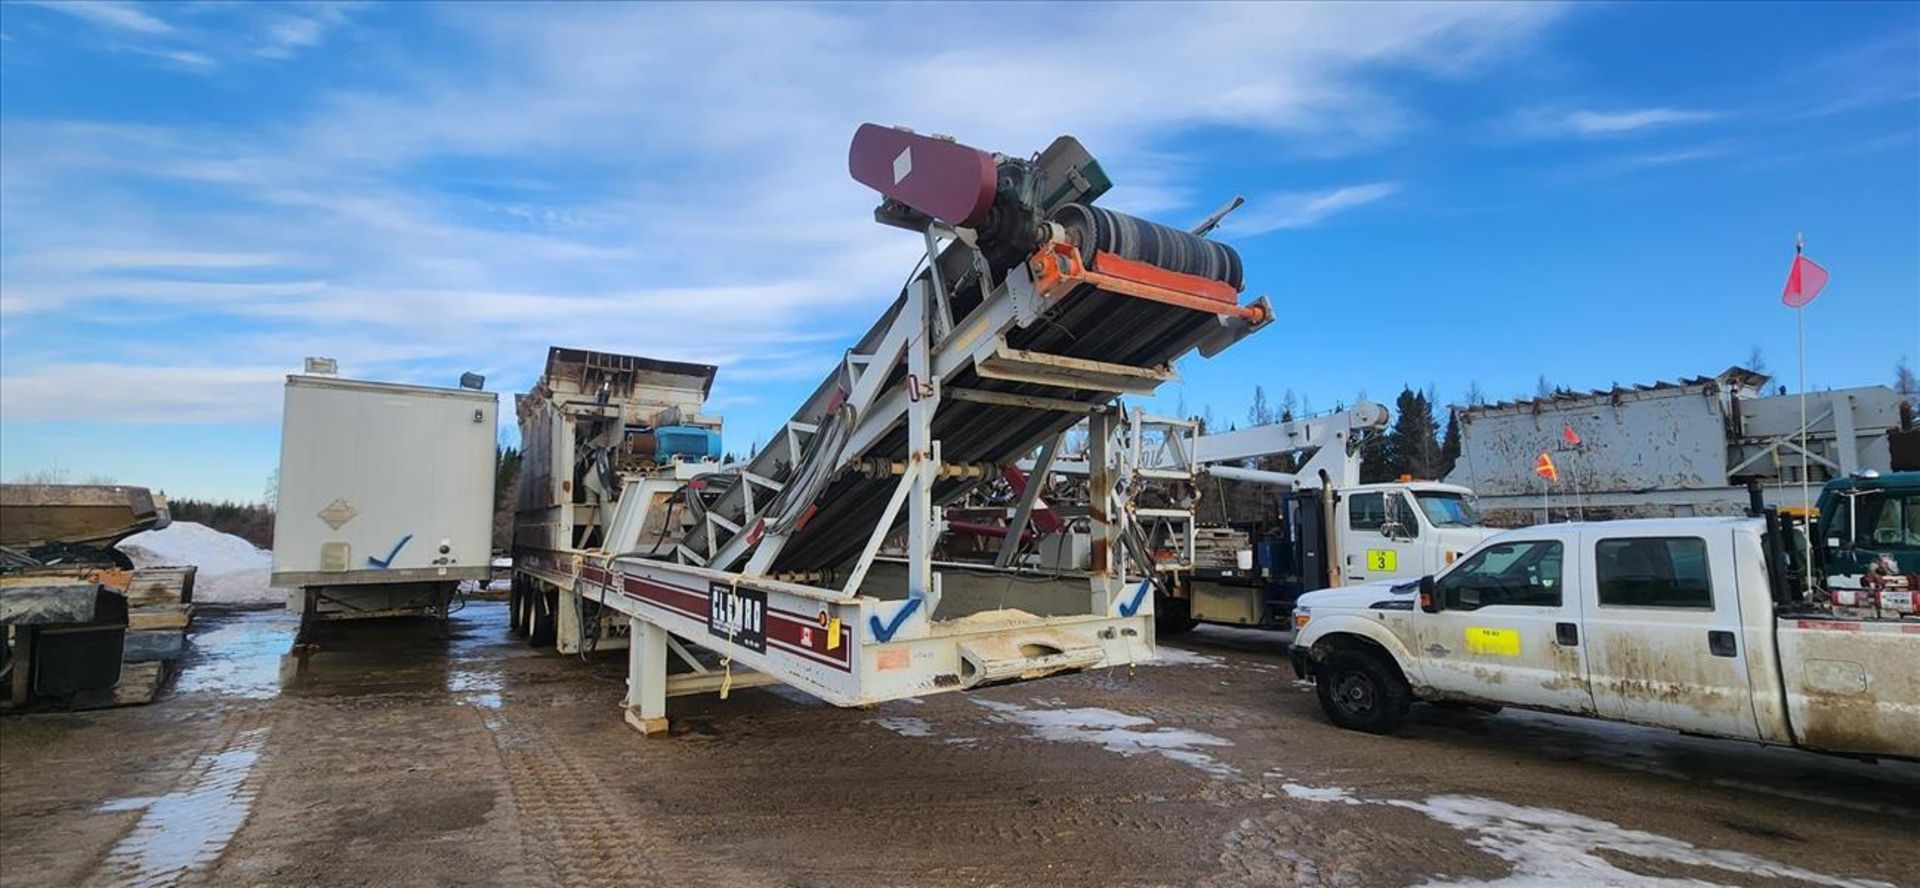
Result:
195,196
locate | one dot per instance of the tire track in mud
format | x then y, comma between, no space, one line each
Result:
575,829
181,836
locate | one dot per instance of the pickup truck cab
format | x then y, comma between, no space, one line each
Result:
1682,623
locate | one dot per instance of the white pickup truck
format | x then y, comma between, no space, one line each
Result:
1684,623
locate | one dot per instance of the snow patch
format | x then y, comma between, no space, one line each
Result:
1319,793
1548,846
904,726
1173,656
1115,732
231,570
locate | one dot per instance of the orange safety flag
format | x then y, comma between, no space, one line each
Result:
1804,281
1545,469
1570,437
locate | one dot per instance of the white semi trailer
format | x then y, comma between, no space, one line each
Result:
385,500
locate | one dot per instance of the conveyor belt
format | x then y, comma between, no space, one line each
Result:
1088,323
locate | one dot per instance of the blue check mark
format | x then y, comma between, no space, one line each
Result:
376,562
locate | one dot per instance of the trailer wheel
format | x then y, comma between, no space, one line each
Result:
516,607
1172,616
1361,691
542,625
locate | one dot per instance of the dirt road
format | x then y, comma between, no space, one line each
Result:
389,757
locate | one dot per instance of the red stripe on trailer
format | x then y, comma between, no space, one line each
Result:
1910,628
791,632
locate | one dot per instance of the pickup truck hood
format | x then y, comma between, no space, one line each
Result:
1360,596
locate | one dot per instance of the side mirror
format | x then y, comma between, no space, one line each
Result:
1429,598
1393,531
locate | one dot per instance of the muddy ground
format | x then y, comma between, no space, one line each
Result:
390,757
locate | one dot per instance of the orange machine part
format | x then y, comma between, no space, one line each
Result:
1058,269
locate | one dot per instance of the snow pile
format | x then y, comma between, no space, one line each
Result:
232,570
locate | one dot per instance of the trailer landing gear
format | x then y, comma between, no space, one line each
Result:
646,703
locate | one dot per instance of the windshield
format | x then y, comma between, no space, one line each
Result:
1876,519
1444,509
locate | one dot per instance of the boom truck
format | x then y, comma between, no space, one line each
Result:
1328,530
813,563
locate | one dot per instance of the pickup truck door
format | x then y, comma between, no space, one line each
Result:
1664,634
1382,537
1510,629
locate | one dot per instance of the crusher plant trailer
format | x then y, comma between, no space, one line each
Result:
814,562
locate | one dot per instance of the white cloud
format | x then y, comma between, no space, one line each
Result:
1587,123
667,180
202,37
1302,209
110,14
134,393
285,35
186,58
84,259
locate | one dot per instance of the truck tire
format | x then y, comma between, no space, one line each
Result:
517,608
543,624
1362,691
1172,616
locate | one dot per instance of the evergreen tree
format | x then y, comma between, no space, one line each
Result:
1410,447
1260,413
506,475
1449,445
1905,384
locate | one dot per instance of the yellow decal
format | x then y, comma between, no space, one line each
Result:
833,634
1498,642
1383,559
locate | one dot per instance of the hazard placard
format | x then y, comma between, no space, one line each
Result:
1386,560
1497,642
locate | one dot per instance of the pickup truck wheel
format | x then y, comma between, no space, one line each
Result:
1360,691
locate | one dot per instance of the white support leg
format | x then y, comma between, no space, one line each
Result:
646,703
1104,532
921,452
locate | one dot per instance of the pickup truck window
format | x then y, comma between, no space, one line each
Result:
1519,573
1653,572
1366,511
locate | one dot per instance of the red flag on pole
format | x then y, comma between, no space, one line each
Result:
1568,434
1803,281
1544,467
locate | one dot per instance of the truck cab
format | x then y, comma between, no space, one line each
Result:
1404,529
1363,533
1870,524
1683,623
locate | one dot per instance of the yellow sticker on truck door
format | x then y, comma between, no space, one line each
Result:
1383,560
1497,642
